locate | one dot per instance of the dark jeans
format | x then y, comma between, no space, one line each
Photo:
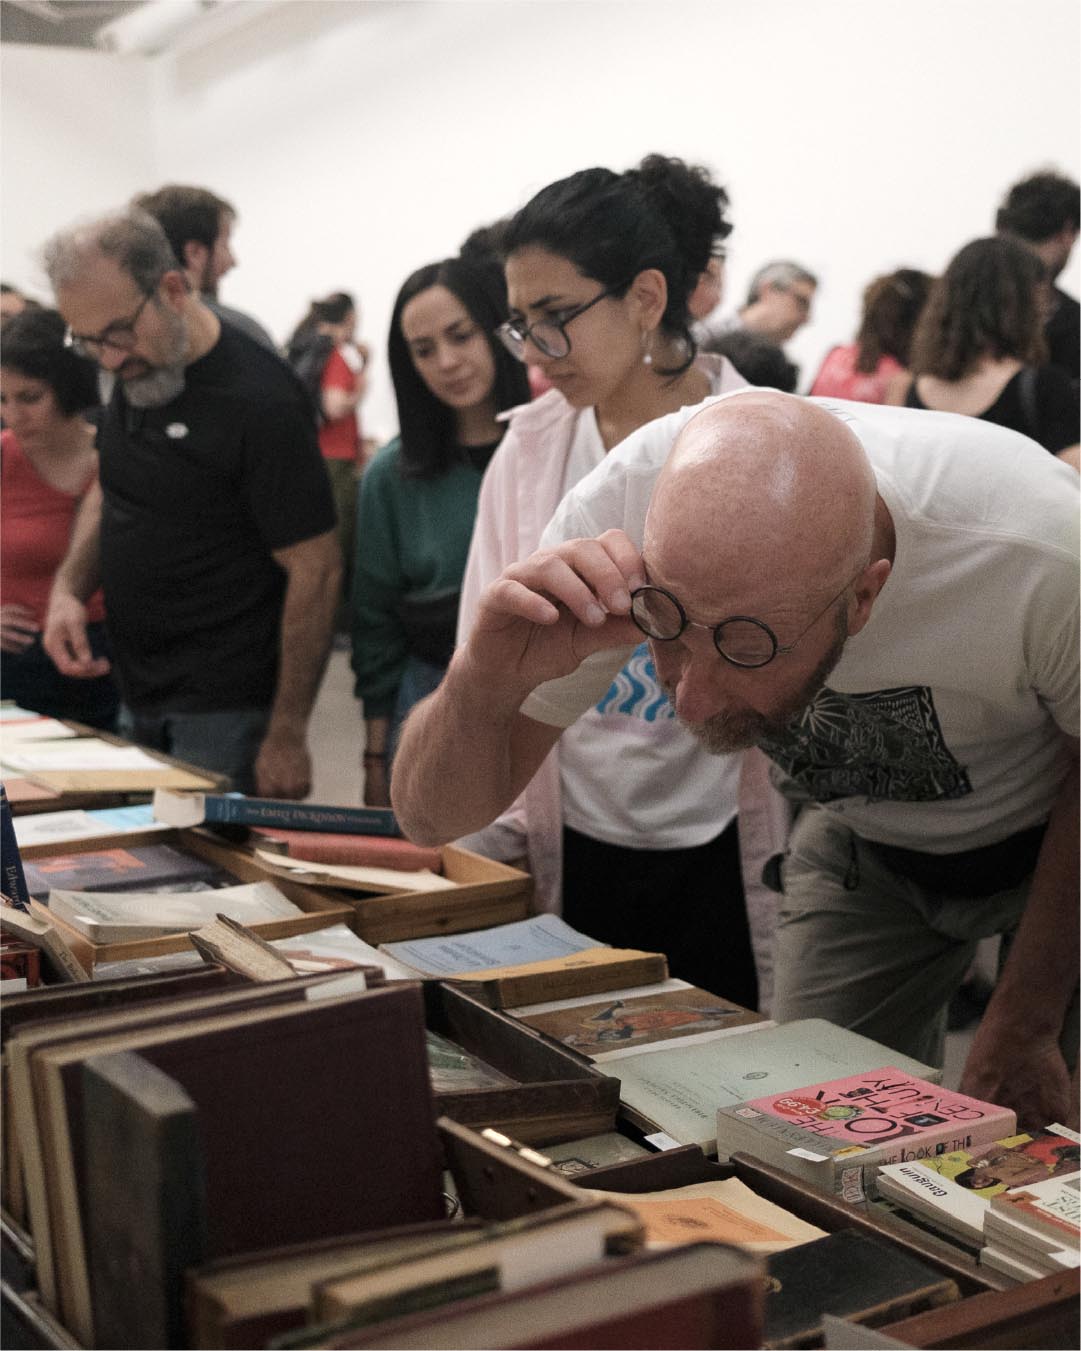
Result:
686,903
32,680
224,742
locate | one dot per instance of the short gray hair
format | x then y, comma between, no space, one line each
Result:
782,273
131,237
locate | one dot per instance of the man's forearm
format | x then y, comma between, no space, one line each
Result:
79,574
1041,973
311,598
455,769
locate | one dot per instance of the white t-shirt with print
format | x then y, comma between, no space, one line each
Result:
654,787
939,729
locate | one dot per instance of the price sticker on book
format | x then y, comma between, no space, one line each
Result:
659,1140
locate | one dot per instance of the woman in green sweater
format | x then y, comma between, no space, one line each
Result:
418,497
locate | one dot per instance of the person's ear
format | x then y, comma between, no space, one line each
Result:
866,588
649,291
196,257
175,287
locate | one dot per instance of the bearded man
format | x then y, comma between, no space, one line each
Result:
211,529
886,602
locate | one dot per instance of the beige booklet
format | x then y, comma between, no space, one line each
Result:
715,1212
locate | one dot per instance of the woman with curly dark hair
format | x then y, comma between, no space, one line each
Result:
979,347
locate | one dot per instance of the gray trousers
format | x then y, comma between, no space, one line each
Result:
868,949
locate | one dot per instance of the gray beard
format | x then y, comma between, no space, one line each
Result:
727,732
158,387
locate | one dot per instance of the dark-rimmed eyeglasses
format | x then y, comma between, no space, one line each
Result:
120,336
740,639
548,335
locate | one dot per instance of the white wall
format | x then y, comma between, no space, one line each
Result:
76,139
360,140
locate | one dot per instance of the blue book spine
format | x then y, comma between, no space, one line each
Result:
228,809
11,863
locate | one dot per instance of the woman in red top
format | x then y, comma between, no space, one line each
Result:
874,368
325,354
48,462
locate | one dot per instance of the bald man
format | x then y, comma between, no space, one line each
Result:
885,601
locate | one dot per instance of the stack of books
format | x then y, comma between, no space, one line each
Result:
951,1192
1035,1231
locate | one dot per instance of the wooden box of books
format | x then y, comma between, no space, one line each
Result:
482,893
490,1070
192,867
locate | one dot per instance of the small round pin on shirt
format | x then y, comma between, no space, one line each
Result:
176,431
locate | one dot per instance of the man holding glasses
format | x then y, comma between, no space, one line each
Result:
886,602
212,528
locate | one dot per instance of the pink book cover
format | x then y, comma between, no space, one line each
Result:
882,1107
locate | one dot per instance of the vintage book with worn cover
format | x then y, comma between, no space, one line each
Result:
726,1211
703,1295
836,1133
609,1024
377,851
145,1200
679,1089
849,1274
12,876
342,1078
508,1255
246,1300
59,958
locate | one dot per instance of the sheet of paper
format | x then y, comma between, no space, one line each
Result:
60,827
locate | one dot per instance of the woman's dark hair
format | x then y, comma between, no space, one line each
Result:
986,303
426,424
33,345
664,214
332,309
891,308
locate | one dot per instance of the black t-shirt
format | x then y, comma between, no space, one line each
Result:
197,494
1063,333
1050,417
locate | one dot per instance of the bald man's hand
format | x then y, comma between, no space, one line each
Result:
546,614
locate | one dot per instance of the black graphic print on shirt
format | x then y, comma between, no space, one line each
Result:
885,745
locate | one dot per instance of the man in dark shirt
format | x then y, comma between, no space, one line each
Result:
1044,211
212,526
199,226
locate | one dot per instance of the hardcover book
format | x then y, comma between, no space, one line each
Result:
849,1274
376,851
836,1133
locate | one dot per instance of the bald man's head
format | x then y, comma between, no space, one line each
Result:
767,487
766,509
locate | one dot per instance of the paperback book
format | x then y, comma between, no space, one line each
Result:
837,1133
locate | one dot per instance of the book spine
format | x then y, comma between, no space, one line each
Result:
300,816
11,864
